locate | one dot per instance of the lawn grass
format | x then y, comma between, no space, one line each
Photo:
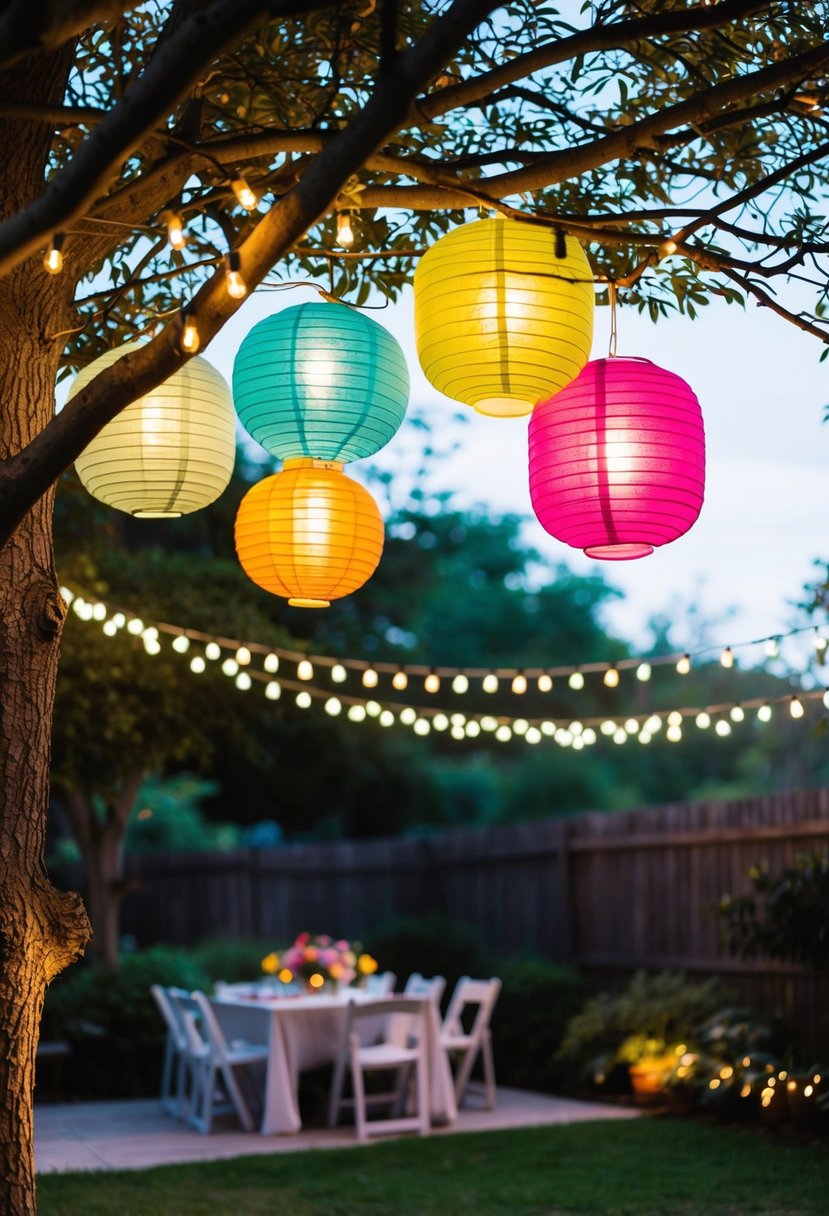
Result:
642,1167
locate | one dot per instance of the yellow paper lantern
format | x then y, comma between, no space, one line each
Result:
168,453
503,314
309,533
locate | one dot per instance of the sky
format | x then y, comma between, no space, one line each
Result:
762,391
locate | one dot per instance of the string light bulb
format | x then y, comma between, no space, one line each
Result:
400,681
345,231
643,672
820,645
304,670
727,657
519,683
772,648
490,683
576,681
460,684
545,683
370,678
684,665
611,677
796,707
432,683
339,674
235,285
764,713
53,261
190,338
668,247
245,197
176,235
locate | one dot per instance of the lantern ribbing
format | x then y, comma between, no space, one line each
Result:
501,319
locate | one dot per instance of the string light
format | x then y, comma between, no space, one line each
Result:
197,664
190,338
684,665
176,235
304,670
271,663
460,684
796,707
246,197
576,681
519,683
243,656
53,261
772,648
181,644
727,657
400,681
432,683
490,683
345,231
545,683
235,285
764,713
668,247
643,672
339,675
370,678
611,677
820,645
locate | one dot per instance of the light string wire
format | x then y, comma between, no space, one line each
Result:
566,731
442,671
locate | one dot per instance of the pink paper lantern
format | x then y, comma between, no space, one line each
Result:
617,459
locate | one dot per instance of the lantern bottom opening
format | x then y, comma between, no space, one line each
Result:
503,407
305,603
157,514
619,553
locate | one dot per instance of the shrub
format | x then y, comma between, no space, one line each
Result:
433,946
664,1008
787,916
112,1024
231,960
536,1001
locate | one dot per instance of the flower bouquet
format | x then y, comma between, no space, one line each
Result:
317,959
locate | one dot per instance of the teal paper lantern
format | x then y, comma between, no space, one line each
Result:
320,381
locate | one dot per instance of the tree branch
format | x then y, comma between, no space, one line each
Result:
173,69
27,26
28,474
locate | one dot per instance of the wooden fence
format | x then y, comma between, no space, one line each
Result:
608,892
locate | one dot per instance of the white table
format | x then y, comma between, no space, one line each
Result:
308,1030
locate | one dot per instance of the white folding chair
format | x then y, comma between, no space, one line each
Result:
465,1045
401,1049
221,1067
419,985
174,1069
380,984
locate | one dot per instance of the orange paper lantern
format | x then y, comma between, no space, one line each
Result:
309,533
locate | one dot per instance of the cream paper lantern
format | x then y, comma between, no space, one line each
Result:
503,314
170,452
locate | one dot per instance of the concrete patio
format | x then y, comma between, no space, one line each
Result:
137,1134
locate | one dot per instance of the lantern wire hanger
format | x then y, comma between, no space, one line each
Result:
611,297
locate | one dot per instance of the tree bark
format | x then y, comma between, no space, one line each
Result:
101,842
42,930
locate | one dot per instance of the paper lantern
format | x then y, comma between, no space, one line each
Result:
501,320
309,533
322,381
617,459
168,453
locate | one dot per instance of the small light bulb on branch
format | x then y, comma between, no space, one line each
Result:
345,231
668,247
175,229
246,197
53,261
190,339
235,285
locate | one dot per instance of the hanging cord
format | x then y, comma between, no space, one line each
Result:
611,296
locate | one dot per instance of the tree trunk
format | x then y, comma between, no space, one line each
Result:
42,930
101,842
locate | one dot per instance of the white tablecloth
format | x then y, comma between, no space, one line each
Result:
306,1031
